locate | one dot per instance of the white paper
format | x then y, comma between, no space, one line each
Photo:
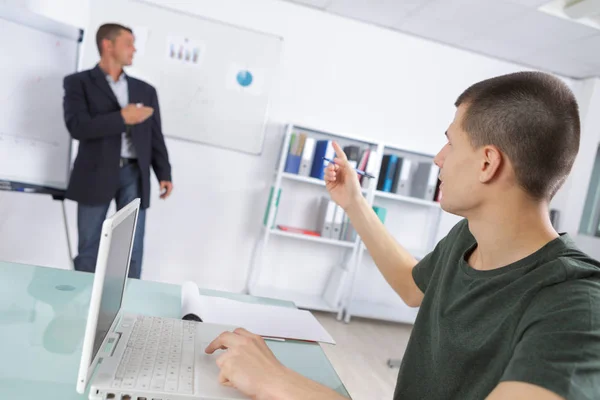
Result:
185,51
260,319
190,300
140,33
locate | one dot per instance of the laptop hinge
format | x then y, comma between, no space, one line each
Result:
110,344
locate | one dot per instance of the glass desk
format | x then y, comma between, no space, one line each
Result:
43,313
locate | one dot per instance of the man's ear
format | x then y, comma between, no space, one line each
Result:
492,161
106,45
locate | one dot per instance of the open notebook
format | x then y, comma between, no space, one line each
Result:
263,320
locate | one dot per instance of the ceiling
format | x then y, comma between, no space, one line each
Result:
512,30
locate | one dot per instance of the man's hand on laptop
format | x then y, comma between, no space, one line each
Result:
248,364
251,367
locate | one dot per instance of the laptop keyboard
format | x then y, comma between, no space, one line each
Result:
159,356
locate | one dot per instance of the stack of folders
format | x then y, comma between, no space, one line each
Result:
300,154
364,160
407,177
305,157
333,223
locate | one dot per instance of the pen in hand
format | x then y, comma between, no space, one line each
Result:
363,173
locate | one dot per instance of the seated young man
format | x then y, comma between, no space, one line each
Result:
509,308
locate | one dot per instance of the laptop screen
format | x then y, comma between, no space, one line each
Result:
114,280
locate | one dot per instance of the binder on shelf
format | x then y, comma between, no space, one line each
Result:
338,221
353,155
362,164
348,234
386,172
438,191
292,164
344,227
326,215
300,147
293,144
266,216
294,157
323,148
381,213
371,169
307,157
424,180
431,190
385,161
397,174
404,182
554,217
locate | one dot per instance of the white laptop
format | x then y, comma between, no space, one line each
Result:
136,357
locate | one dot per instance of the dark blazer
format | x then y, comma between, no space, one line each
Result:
93,117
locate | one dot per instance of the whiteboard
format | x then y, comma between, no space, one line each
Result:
213,79
34,142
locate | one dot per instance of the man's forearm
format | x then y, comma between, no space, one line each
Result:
297,387
83,127
394,262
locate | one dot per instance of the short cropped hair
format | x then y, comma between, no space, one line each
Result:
533,118
109,31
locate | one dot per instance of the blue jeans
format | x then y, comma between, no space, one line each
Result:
90,219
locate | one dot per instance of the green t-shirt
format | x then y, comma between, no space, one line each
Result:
536,321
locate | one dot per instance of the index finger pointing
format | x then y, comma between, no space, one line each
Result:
339,152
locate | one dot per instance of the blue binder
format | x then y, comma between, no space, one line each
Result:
318,166
389,174
292,164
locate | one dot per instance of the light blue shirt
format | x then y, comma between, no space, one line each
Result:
121,91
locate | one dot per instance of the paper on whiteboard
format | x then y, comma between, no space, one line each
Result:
140,33
245,79
260,319
185,51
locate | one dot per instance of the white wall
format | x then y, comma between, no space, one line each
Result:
576,188
336,75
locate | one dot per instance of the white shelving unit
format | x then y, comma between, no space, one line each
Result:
266,281
316,239
256,284
369,295
406,199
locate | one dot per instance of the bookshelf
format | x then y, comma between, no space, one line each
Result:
314,239
406,199
414,223
296,207
272,275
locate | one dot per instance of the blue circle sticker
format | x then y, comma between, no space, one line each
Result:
244,78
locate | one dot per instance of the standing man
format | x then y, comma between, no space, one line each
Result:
116,120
